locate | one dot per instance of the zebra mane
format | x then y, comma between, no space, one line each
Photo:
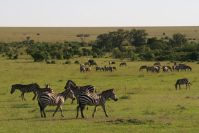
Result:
107,91
70,82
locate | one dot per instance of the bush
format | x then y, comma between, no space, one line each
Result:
148,56
76,62
39,56
67,62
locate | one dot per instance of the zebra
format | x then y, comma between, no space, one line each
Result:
182,67
93,99
143,67
181,82
166,68
50,99
79,89
34,87
82,68
111,62
153,69
123,64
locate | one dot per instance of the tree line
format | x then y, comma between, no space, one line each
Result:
133,44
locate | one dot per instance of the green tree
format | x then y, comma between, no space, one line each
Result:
178,40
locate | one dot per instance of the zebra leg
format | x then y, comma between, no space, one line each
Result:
103,107
44,112
72,101
77,111
35,94
93,115
61,111
56,110
82,109
40,109
22,96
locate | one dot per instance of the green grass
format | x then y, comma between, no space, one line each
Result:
69,33
147,102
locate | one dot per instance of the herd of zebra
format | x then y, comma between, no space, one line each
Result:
157,67
87,66
85,95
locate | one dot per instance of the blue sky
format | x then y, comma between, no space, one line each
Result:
70,13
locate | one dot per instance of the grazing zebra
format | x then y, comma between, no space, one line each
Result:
58,100
79,89
153,69
182,67
182,82
143,67
29,88
111,62
166,68
93,99
123,64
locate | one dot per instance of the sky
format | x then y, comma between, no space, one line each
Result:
92,13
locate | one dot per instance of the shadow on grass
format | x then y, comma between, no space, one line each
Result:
48,118
21,106
130,121
125,97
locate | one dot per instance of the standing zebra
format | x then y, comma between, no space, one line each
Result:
93,99
79,89
54,100
34,87
181,82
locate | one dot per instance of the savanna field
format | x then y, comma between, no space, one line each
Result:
148,102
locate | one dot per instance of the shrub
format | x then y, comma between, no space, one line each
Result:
67,62
76,62
39,56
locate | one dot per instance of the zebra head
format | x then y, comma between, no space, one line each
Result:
109,94
13,88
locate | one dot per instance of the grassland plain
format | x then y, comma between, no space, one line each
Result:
147,102
47,34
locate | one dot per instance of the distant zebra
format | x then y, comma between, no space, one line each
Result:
58,100
111,62
153,69
34,87
123,64
143,67
93,99
183,81
166,68
79,89
82,68
182,67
